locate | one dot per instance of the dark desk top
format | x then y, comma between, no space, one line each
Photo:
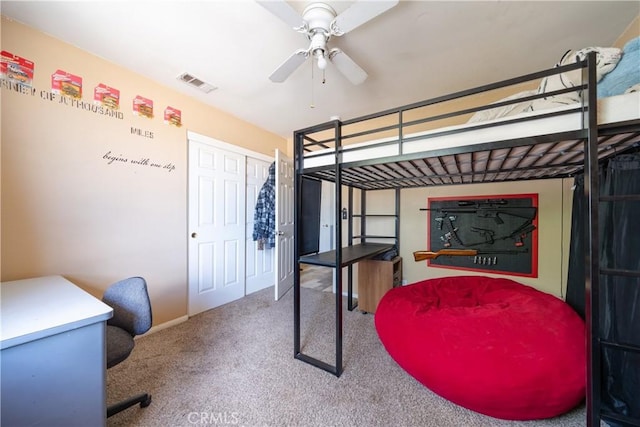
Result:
350,254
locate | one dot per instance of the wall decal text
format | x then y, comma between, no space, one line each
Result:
112,158
140,132
62,99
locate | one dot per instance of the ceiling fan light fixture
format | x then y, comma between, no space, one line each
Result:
320,22
322,61
318,16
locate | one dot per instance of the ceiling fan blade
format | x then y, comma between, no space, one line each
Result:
284,11
289,66
347,66
359,13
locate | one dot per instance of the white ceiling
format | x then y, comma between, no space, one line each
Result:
415,51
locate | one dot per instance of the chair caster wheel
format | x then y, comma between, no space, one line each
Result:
146,402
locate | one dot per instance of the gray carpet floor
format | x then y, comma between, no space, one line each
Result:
234,365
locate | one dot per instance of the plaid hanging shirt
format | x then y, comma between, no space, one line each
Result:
264,217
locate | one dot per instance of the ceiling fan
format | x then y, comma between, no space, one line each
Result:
319,22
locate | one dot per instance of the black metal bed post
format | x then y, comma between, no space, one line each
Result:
338,262
592,256
350,305
400,151
298,158
363,216
398,220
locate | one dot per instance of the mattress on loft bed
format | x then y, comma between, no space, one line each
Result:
614,109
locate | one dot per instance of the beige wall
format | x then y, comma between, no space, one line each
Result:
66,210
632,31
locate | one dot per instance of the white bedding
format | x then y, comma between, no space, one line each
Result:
614,109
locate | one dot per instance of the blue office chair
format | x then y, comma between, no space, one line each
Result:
131,316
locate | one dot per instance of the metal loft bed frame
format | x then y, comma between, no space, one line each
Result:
551,155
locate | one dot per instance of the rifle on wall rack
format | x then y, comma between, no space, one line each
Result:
487,210
423,255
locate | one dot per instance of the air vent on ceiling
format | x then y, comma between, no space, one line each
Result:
196,82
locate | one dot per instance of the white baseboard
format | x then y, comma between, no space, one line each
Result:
165,325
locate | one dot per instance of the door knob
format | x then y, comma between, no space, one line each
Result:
194,235
280,233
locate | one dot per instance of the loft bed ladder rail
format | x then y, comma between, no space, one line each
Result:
624,347
607,415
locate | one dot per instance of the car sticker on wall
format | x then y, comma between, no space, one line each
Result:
173,116
143,107
106,96
16,69
68,84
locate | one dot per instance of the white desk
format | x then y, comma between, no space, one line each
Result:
53,360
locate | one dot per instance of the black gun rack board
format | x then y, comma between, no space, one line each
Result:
502,228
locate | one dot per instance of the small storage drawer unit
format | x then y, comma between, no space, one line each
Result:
375,278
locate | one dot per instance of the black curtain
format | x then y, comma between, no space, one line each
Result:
619,295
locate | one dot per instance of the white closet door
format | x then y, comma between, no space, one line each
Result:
217,223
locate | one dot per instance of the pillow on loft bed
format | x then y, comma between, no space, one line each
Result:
607,59
506,110
626,75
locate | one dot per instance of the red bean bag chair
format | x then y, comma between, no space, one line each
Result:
494,346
